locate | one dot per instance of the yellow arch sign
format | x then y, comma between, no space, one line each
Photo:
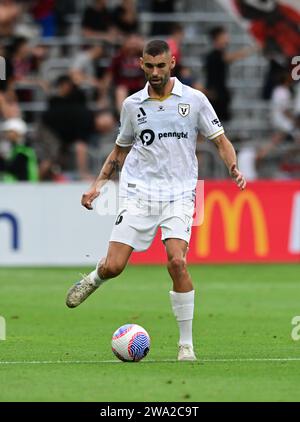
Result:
231,215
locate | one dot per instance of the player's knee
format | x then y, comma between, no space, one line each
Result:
176,264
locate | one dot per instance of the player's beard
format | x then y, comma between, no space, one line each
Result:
160,84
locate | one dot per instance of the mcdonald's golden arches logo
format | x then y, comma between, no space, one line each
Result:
232,212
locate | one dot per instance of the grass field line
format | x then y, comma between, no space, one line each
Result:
84,362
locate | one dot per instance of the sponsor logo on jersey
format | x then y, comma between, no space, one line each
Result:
147,136
178,135
142,116
161,108
184,109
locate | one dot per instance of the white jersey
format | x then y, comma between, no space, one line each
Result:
162,164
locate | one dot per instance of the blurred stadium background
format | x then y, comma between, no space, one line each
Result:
68,66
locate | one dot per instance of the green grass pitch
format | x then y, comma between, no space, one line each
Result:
242,335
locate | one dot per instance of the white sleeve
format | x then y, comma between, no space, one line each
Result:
126,133
208,121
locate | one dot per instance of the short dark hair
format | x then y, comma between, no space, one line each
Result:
216,31
156,47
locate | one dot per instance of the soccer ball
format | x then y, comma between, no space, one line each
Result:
130,343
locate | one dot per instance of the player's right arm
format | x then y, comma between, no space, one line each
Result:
112,165
115,160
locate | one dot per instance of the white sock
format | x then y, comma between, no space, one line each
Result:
95,276
183,309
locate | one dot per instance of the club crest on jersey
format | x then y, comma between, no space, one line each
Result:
184,109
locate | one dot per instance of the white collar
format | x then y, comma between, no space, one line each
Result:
177,90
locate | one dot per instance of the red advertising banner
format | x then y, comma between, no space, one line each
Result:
260,224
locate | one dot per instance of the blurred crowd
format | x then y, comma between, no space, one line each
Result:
60,101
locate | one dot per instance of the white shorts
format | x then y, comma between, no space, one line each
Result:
138,221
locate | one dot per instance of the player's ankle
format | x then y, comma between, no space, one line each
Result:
99,271
185,342
95,277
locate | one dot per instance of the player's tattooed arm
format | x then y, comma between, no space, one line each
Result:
113,164
228,155
111,167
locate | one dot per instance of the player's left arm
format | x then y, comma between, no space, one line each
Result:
228,155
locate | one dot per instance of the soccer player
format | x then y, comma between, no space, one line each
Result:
156,151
